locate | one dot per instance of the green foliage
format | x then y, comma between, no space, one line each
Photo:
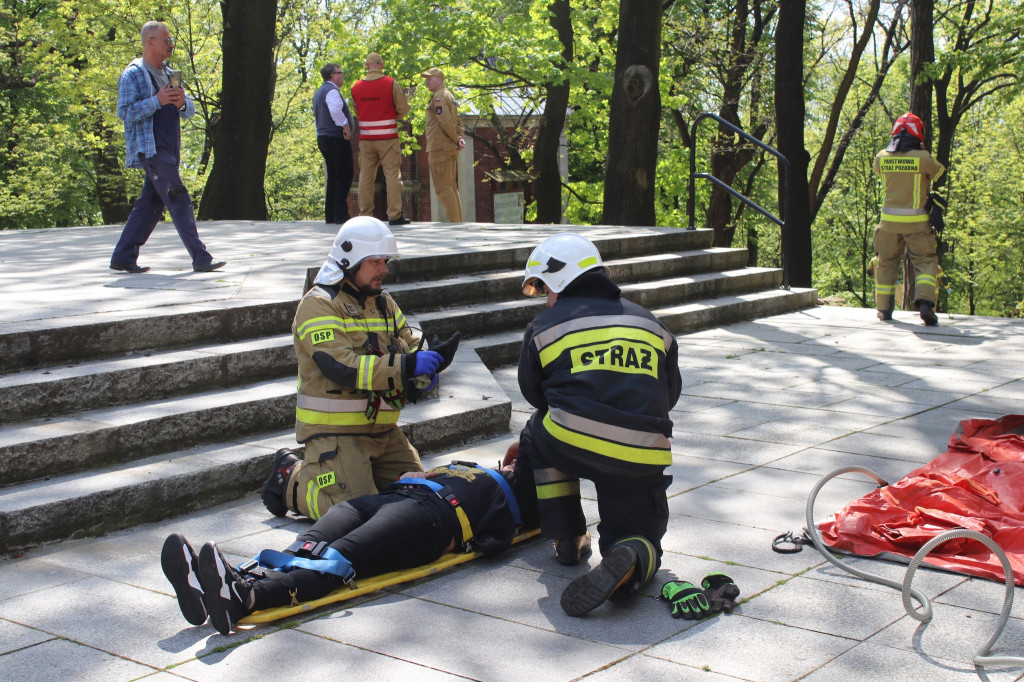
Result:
59,133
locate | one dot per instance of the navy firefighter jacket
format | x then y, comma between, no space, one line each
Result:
605,374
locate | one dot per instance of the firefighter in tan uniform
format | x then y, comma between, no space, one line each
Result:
444,132
907,172
379,103
359,364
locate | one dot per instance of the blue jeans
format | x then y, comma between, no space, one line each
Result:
162,188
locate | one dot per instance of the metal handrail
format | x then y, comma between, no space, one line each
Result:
691,200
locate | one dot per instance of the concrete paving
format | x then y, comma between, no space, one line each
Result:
768,407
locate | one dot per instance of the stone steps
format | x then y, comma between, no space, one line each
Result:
151,413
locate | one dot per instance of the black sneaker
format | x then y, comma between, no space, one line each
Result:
181,566
588,592
399,221
274,489
227,594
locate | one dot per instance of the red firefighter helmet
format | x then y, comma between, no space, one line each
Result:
909,123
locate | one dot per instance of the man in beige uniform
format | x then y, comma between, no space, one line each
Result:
907,172
444,131
379,103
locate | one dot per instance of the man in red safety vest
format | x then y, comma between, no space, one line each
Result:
379,103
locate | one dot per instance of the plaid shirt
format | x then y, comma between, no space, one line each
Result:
136,104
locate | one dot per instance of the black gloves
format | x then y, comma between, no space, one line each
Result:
446,349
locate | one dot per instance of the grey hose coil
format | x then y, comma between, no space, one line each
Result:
981,657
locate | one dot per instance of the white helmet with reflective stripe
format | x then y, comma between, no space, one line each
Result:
360,238
558,261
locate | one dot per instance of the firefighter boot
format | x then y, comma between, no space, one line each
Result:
886,315
273,490
589,591
569,551
927,313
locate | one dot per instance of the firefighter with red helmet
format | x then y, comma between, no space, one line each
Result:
907,172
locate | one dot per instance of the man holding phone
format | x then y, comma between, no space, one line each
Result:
152,108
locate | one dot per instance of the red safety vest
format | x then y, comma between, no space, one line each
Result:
378,119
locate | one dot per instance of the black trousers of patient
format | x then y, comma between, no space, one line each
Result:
390,531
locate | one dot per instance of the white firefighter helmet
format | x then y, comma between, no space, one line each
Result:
359,238
559,260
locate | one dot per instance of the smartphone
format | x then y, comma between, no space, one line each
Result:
174,78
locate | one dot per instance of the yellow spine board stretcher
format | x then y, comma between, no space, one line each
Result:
372,584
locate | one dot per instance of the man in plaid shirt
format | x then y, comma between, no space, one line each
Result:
152,108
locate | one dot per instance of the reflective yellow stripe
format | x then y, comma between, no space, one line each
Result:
548,491
651,562
587,262
885,288
920,218
312,500
626,453
367,325
316,418
364,377
580,338
925,279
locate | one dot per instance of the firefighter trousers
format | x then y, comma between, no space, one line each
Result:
889,247
342,467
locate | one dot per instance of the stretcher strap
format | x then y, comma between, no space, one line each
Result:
446,494
513,506
331,561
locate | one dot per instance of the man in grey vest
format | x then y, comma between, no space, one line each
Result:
333,131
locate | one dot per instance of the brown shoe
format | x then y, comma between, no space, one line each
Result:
569,551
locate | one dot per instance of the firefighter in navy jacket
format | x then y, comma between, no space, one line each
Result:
603,374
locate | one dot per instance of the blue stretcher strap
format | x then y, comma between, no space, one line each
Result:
332,561
513,506
446,494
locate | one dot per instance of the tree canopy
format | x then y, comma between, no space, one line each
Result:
559,62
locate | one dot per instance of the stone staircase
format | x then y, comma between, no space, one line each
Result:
113,423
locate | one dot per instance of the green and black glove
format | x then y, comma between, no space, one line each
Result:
720,591
685,600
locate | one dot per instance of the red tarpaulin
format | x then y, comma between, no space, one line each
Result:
978,483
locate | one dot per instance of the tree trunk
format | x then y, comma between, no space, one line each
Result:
107,161
634,118
235,189
922,53
789,121
545,156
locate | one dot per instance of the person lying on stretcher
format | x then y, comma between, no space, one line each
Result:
461,507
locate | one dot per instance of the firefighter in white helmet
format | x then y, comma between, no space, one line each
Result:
603,374
359,364
907,172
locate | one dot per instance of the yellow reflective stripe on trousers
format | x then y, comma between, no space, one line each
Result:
317,418
626,453
592,336
312,499
547,491
925,279
885,289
